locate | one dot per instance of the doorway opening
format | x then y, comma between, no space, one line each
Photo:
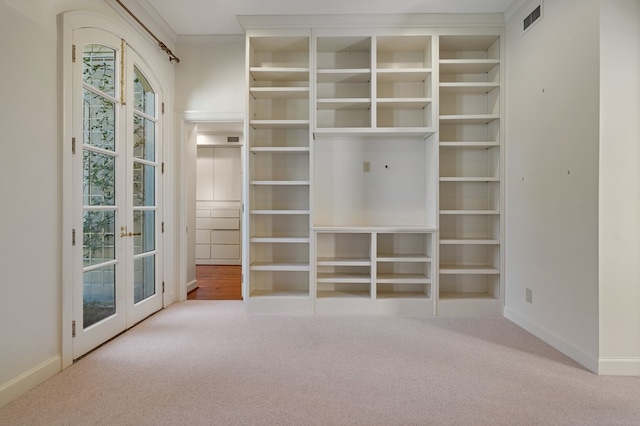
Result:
214,211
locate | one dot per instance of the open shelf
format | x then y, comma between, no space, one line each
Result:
279,92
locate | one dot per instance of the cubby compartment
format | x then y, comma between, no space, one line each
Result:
469,286
280,139
469,258
279,53
349,114
333,249
343,265
469,47
469,227
343,52
279,228
280,196
463,163
470,135
276,167
290,256
470,102
470,196
277,283
279,109
404,265
404,113
403,52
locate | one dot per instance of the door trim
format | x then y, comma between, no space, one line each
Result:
183,119
71,21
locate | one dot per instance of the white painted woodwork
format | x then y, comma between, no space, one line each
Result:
470,184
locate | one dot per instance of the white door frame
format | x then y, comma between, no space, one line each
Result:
182,120
87,19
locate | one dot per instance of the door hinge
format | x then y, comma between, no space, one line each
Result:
162,287
242,207
242,278
163,227
73,145
162,168
73,53
73,237
162,108
73,329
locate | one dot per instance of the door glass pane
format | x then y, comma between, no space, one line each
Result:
144,231
98,179
143,185
99,121
144,98
99,295
98,236
144,138
99,68
144,278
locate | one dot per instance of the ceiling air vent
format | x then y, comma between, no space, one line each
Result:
233,138
533,17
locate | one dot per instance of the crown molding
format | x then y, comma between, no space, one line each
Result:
515,8
150,17
210,39
411,20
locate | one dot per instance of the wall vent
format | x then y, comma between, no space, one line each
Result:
233,138
532,17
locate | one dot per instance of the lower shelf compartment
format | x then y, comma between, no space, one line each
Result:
469,305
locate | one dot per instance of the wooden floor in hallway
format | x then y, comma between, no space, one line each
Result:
217,282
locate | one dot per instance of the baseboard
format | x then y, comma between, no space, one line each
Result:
619,366
30,379
558,342
192,285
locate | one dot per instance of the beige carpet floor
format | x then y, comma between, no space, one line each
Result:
209,363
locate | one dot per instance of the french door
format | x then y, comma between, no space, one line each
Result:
117,254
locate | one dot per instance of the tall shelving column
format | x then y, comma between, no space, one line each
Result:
470,278
277,212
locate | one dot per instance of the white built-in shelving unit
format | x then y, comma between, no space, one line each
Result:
470,173
374,83
374,270
277,263
373,171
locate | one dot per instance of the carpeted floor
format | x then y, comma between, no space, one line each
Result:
209,363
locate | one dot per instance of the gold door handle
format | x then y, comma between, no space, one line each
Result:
131,234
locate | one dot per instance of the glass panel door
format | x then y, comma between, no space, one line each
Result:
144,167
116,189
98,192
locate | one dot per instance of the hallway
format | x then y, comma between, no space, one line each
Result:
217,282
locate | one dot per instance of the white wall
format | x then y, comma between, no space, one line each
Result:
620,187
31,188
29,183
211,75
552,129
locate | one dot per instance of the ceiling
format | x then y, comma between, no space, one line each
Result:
218,17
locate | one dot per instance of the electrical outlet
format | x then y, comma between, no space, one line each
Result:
366,167
529,295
